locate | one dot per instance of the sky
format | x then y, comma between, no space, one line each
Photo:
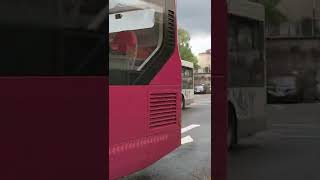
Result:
195,17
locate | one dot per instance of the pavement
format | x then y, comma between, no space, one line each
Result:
192,160
289,149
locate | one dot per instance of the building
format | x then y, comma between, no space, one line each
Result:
202,75
293,46
303,19
204,61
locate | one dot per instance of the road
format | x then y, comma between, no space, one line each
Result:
289,149
192,160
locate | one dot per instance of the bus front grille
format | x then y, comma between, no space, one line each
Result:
162,109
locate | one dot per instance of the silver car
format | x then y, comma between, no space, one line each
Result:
199,89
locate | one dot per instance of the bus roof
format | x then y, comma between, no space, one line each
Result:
244,8
187,64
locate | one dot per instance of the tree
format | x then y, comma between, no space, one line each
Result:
273,15
185,49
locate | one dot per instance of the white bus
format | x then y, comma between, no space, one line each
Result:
247,77
187,84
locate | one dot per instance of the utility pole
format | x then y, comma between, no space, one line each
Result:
313,17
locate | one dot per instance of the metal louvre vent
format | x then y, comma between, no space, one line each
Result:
171,28
163,109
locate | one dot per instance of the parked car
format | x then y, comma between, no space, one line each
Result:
283,89
199,89
318,91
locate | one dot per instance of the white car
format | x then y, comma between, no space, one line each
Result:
283,88
199,89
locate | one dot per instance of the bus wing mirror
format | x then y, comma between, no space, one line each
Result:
131,20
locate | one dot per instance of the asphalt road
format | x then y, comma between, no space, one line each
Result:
192,160
288,150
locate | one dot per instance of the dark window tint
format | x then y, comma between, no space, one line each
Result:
246,52
61,37
187,78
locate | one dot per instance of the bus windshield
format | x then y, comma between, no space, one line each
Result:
187,78
135,35
187,83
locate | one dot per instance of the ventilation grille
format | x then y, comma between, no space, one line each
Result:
171,29
163,109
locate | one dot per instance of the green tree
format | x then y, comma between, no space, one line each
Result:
185,49
273,16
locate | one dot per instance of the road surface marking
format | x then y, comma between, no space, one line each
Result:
296,125
301,137
201,104
187,139
278,107
188,128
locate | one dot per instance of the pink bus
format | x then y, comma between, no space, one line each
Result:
144,84
53,90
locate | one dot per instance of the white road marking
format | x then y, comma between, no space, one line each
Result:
188,128
301,137
187,139
201,104
278,107
204,101
296,125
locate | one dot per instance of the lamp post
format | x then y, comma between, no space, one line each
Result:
313,17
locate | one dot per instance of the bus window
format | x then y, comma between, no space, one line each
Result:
125,44
50,45
245,38
187,83
232,37
246,53
187,78
128,58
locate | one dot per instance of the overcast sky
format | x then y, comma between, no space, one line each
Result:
195,17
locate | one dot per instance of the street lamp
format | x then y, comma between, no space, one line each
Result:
313,17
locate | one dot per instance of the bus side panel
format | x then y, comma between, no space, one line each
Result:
171,135
127,126
259,106
52,128
136,139
127,112
170,74
249,104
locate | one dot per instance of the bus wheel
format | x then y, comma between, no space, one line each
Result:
183,103
231,136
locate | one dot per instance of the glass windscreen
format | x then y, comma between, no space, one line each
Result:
135,35
246,54
187,78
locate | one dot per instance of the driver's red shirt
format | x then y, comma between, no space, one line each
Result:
124,41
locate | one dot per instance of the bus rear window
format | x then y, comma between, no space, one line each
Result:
187,78
135,35
45,38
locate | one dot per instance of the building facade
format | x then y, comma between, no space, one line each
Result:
293,47
202,75
303,19
204,61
